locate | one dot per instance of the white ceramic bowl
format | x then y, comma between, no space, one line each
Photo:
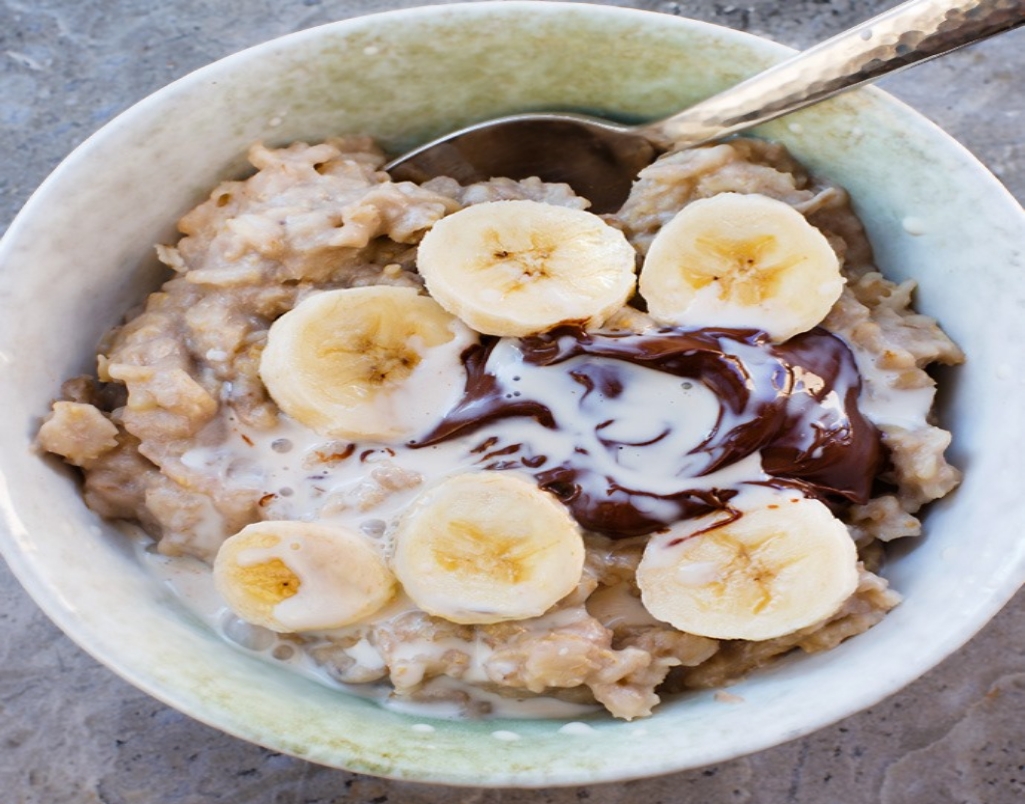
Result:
80,253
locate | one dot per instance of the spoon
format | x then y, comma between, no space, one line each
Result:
600,159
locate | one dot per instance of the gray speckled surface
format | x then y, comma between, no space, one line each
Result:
70,731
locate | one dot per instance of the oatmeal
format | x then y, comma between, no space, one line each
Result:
638,457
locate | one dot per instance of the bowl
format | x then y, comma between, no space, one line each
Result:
80,254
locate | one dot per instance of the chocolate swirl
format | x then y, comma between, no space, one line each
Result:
793,403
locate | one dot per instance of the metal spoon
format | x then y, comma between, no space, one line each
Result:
600,159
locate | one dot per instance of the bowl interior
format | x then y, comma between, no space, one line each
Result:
80,254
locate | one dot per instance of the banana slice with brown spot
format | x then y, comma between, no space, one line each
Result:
775,563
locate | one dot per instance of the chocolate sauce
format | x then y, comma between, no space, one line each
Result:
794,403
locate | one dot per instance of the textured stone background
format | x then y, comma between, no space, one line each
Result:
70,731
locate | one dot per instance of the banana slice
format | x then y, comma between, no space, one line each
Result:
517,268
784,564
379,363
295,576
742,261
487,547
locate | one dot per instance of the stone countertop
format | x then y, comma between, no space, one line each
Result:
71,731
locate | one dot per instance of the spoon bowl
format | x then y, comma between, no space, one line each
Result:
595,157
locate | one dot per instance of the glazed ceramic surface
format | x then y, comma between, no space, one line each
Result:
80,255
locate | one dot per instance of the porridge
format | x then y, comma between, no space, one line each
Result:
447,443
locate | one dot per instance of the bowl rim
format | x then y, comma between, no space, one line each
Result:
14,540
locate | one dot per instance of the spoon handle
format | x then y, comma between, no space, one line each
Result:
907,34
